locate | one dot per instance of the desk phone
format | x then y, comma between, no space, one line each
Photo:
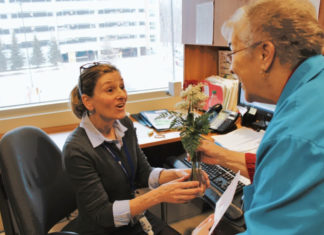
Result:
224,121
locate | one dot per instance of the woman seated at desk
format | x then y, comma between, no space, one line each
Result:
106,165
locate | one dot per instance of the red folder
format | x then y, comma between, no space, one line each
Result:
213,87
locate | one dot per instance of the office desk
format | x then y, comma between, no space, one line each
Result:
148,137
156,145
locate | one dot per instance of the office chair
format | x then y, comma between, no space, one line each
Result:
35,191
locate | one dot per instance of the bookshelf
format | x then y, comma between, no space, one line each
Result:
201,61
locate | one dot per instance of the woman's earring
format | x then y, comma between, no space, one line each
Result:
91,112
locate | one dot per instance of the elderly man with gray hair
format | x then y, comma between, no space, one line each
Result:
276,53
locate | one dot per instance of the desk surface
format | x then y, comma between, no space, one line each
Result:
147,137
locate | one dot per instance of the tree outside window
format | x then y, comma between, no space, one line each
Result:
37,58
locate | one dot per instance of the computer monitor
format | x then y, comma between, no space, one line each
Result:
258,119
259,106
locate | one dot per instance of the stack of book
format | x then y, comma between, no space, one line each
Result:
226,91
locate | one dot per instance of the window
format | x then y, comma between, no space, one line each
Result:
4,31
41,51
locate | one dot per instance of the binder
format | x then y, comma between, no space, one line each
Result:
152,118
138,117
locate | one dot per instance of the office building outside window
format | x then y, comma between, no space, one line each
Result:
44,42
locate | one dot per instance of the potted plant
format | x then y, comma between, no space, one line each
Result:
192,124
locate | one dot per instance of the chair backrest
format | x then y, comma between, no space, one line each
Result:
35,184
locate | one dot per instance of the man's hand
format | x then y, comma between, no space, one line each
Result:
204,227
210,152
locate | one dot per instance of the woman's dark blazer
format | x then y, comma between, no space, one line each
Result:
99,180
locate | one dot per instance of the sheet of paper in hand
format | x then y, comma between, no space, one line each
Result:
224,202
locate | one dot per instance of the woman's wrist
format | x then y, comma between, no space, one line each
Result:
144,202
167,175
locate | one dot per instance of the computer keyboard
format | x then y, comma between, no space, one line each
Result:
220,177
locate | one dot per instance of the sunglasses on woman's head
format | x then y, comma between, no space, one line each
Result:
92,64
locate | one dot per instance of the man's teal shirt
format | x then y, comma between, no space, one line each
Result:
287,194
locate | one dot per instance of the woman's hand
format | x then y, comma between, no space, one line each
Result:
179,173
206,181
178,191
204,227
185,173
168,175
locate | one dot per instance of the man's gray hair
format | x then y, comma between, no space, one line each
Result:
291,25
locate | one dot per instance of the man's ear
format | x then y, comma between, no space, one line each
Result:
268,55
86,100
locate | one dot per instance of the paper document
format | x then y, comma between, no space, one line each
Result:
224,202
242,140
